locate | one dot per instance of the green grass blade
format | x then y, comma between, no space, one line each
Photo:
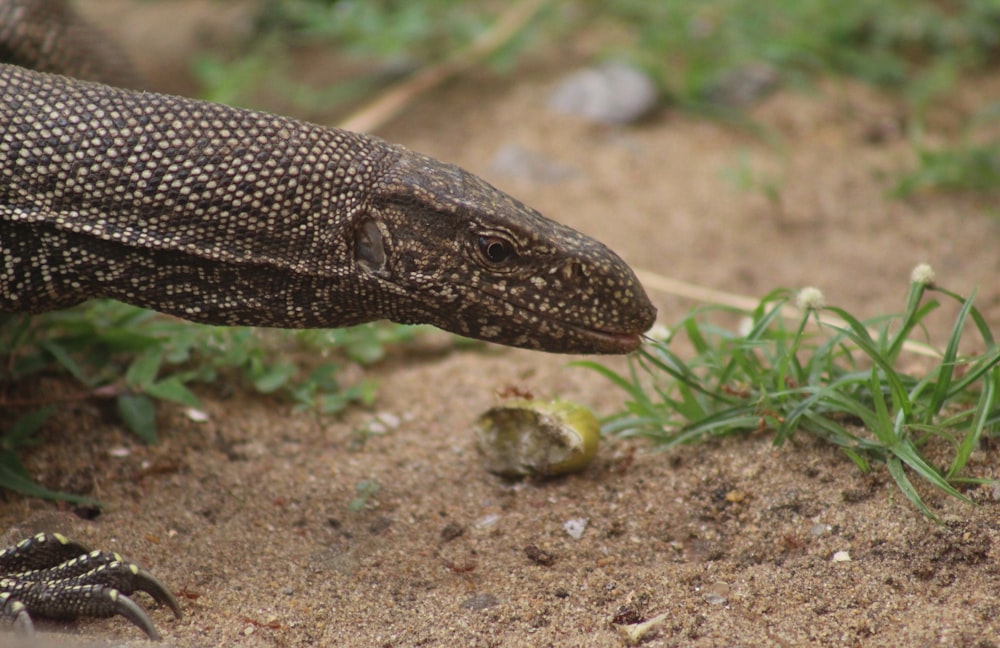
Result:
23,429
13,476
882,426
948,361
633,389
860,336
975,432
895,467
173,389
676,368
910,455
915,313
63,358
139,414
858,459
977,317
978,370
844,388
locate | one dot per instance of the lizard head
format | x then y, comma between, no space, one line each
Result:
443,247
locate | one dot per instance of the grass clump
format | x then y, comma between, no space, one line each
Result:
425,30
393,37
140,359
832,376
920,50
965,167
691,44
712,57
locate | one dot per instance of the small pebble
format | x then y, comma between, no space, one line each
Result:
995,492
196,415
451,531
487,521
713,599
717,593
383,422
735,496
626,615
539,555
576,527
817,530
611,94
842,556
480,602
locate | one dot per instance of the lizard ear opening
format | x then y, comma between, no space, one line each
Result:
368,248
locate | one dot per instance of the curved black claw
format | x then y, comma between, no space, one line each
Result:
50,576
61,600
131,611
16,614
146,582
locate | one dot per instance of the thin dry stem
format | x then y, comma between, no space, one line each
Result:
392,102
678,288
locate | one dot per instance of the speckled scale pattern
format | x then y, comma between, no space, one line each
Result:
229,216
200,210
49,575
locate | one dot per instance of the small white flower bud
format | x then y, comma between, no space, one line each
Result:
923,273
659,332
810,298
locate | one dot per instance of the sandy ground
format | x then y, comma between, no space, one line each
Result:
247,516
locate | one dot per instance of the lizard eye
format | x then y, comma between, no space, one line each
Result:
496,250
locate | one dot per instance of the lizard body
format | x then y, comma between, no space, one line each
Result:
229,216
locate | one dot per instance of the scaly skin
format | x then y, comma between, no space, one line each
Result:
229,216
55,577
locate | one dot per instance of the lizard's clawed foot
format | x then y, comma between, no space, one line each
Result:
50,576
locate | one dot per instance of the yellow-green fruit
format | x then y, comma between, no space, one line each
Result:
528,437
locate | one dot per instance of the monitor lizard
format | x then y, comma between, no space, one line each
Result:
228,216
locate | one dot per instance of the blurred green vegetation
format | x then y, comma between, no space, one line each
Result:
898,44
424,30
918,49
137,359
688,45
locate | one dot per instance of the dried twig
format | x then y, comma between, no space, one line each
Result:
396,98
678,288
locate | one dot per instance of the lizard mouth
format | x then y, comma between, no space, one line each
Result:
573,337
608,341
530,329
